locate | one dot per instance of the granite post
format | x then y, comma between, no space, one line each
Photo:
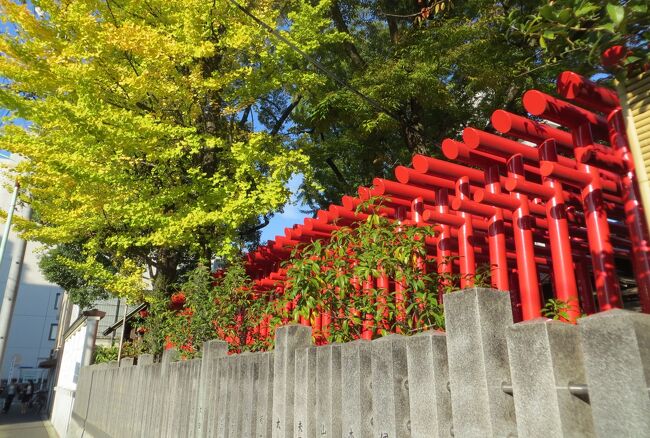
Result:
390,393
428,377
221,415
168,357
264,395
356,389
145,359
545,358
616,348
234,394
476,323
305,393
208,382
288,339
247,397
328,386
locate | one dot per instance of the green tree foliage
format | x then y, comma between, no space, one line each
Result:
433,67
140,140
577,32
59,265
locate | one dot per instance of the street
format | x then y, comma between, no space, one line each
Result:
29,425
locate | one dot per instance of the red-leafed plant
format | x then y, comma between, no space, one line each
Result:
207,306
177,301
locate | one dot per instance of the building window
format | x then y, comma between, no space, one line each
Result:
53,330
57,301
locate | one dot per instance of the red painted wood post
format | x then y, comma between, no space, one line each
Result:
523,233
496,235
369,319
585,291
383,290
465,237
443,250
515,296
357,291
581,123
564,279
634,217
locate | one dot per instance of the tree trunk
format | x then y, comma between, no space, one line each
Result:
166,270
413,129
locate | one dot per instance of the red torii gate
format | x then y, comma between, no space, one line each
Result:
537,198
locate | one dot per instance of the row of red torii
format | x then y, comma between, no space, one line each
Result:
559,199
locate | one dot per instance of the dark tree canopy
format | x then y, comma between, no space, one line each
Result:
57,266
433,68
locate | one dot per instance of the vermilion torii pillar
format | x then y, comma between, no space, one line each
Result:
522,225
496,229
579,89
581,122
634,217
552,193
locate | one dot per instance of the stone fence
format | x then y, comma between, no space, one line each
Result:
484,377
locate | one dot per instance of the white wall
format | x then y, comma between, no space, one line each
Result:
66,385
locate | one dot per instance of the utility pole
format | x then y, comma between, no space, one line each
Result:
119,350
11,289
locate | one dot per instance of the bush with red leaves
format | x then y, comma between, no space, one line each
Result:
177,300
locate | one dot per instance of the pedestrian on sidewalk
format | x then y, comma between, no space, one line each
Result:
9,398
26,396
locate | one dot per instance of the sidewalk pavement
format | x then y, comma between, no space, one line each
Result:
30,425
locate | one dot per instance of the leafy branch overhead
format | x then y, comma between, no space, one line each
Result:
62,266
431,64
581,30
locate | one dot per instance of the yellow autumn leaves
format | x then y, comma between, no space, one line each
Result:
135,144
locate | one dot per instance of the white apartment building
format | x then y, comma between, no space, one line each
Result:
34,324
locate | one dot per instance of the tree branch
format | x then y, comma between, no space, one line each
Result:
110,11
244,117
128,58
335,169
341,26
285,114
150,8
267,220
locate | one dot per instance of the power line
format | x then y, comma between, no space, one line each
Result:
378,106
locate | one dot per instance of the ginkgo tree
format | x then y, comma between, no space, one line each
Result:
141,143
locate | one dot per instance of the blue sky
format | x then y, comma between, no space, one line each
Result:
290,216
